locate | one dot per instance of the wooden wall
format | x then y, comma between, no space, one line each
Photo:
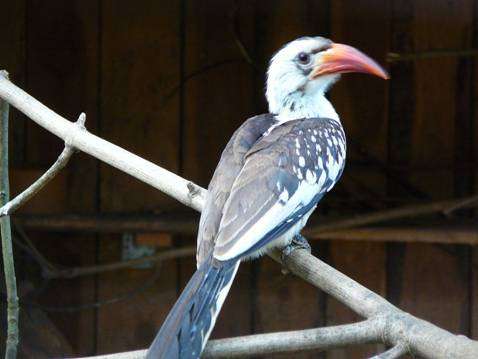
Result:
168,80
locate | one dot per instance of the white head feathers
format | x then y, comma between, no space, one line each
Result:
290,93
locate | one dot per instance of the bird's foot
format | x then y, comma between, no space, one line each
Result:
298,242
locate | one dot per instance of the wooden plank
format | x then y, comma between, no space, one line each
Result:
362,105
285,302
214,104
433,234
141,299
473,281
431,281
13,59
434,285
62,67
140,65
51,199
219,100
278,22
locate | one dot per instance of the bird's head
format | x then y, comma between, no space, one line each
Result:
304,69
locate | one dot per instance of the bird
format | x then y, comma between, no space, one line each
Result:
271,175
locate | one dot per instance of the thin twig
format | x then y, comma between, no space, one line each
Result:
59,164
393,353
45,264
7,250
143,286
84,271
464,203
175,89
392,175
237,37
412,56
51,271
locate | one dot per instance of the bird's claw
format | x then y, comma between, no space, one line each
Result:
298,242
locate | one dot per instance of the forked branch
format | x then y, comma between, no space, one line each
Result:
34,188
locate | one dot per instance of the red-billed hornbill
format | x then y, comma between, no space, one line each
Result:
271,175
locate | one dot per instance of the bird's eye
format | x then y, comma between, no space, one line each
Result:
304,58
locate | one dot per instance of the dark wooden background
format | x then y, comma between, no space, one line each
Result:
168,81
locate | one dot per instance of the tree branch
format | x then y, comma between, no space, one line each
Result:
419,336
6,232
173,185
317,339
59,164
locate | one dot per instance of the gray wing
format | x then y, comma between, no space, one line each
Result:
284,176
230,164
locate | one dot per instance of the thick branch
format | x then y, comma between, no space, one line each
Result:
419,336
6,232
177,187
318,339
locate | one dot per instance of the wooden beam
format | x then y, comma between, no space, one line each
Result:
435,234
186,223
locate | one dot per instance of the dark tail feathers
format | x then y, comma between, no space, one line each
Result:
186,329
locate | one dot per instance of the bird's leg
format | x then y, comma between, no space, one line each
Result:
298,242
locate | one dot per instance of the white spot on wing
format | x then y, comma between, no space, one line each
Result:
284,196
310,176
301,161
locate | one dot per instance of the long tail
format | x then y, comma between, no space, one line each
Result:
188,325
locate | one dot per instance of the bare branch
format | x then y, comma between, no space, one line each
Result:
421,337
318,339
6,233
163,180
34,188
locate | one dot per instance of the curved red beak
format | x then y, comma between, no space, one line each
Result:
341,59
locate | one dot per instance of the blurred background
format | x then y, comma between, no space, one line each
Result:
171,81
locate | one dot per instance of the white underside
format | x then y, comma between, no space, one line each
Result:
277,214
285,239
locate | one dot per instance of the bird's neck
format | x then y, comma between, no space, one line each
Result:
298,105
